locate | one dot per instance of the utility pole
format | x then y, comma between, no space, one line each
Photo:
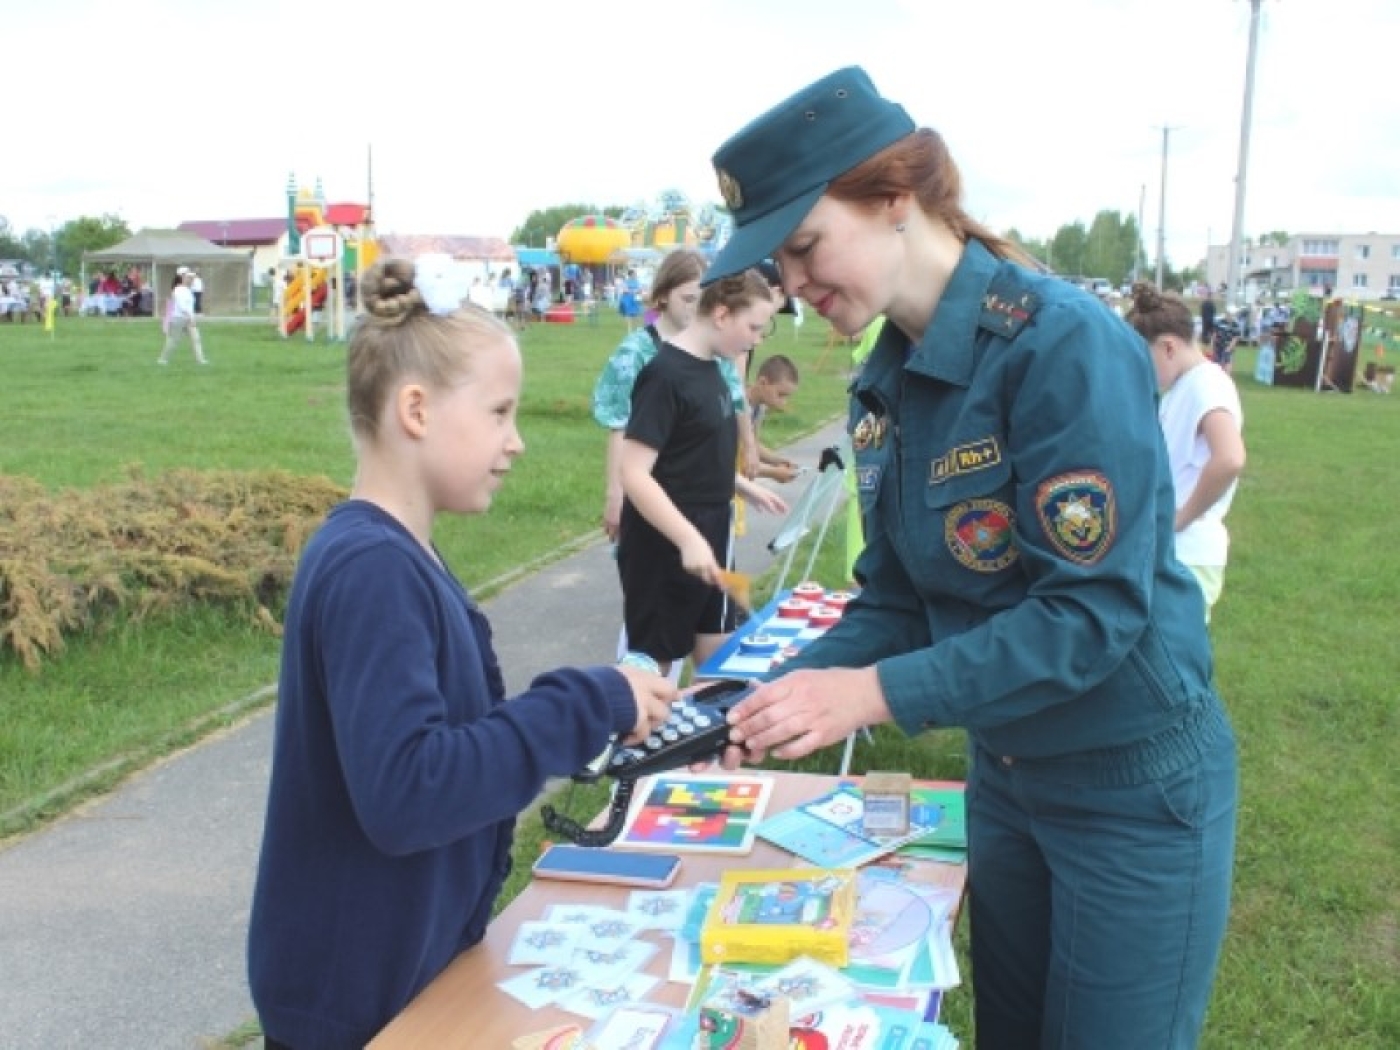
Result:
1237,231
1162,209
1137,248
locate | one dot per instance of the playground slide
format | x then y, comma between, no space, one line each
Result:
293,300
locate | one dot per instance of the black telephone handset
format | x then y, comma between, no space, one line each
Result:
696,731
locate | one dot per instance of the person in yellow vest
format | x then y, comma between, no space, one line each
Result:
855,528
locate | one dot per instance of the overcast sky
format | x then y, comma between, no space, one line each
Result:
162,111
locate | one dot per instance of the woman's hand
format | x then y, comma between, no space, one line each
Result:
803,712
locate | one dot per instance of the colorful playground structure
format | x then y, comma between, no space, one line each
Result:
603,244
672,220
327,246
306,284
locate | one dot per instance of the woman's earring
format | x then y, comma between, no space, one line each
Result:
899,227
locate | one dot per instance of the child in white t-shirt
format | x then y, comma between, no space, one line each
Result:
1202,423
180,320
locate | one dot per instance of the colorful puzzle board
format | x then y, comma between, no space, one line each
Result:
730,660
699,813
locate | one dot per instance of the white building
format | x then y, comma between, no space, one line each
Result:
1363,266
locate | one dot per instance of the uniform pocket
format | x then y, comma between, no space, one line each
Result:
1181,797
1157,672
977,518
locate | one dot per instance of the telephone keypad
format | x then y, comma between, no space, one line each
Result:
696,731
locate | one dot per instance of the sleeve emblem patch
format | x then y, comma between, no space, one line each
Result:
979,535
1078,515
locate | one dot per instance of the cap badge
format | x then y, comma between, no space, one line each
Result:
729,190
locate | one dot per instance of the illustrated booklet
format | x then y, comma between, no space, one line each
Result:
827,831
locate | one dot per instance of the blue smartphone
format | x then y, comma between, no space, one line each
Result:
588,864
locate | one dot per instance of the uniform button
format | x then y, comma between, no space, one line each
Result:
1007,760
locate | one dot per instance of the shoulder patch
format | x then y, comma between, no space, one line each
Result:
1007,306
1078,515
1004,316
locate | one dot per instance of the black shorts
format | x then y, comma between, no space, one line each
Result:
663,606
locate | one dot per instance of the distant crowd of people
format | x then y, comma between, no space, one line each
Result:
107,294
1222,332
24,298
127,296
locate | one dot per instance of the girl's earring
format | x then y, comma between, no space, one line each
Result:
899,227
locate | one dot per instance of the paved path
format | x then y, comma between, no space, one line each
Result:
122,925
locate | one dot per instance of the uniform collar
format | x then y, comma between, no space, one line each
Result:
946,351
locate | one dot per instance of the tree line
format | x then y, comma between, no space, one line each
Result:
1110,247
61,248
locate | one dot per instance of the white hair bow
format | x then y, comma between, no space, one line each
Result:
443,284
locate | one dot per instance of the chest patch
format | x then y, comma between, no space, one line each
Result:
1078,514
867,478
964,459
978,533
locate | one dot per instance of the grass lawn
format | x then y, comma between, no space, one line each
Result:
89,407
1305,634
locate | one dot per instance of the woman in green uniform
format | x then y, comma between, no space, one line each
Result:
1018,579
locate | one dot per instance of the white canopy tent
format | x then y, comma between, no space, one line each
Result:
227,272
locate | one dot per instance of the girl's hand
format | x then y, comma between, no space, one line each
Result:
768,501
699,560
654,695
612,516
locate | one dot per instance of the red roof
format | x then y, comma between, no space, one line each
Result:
347,214
238,232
